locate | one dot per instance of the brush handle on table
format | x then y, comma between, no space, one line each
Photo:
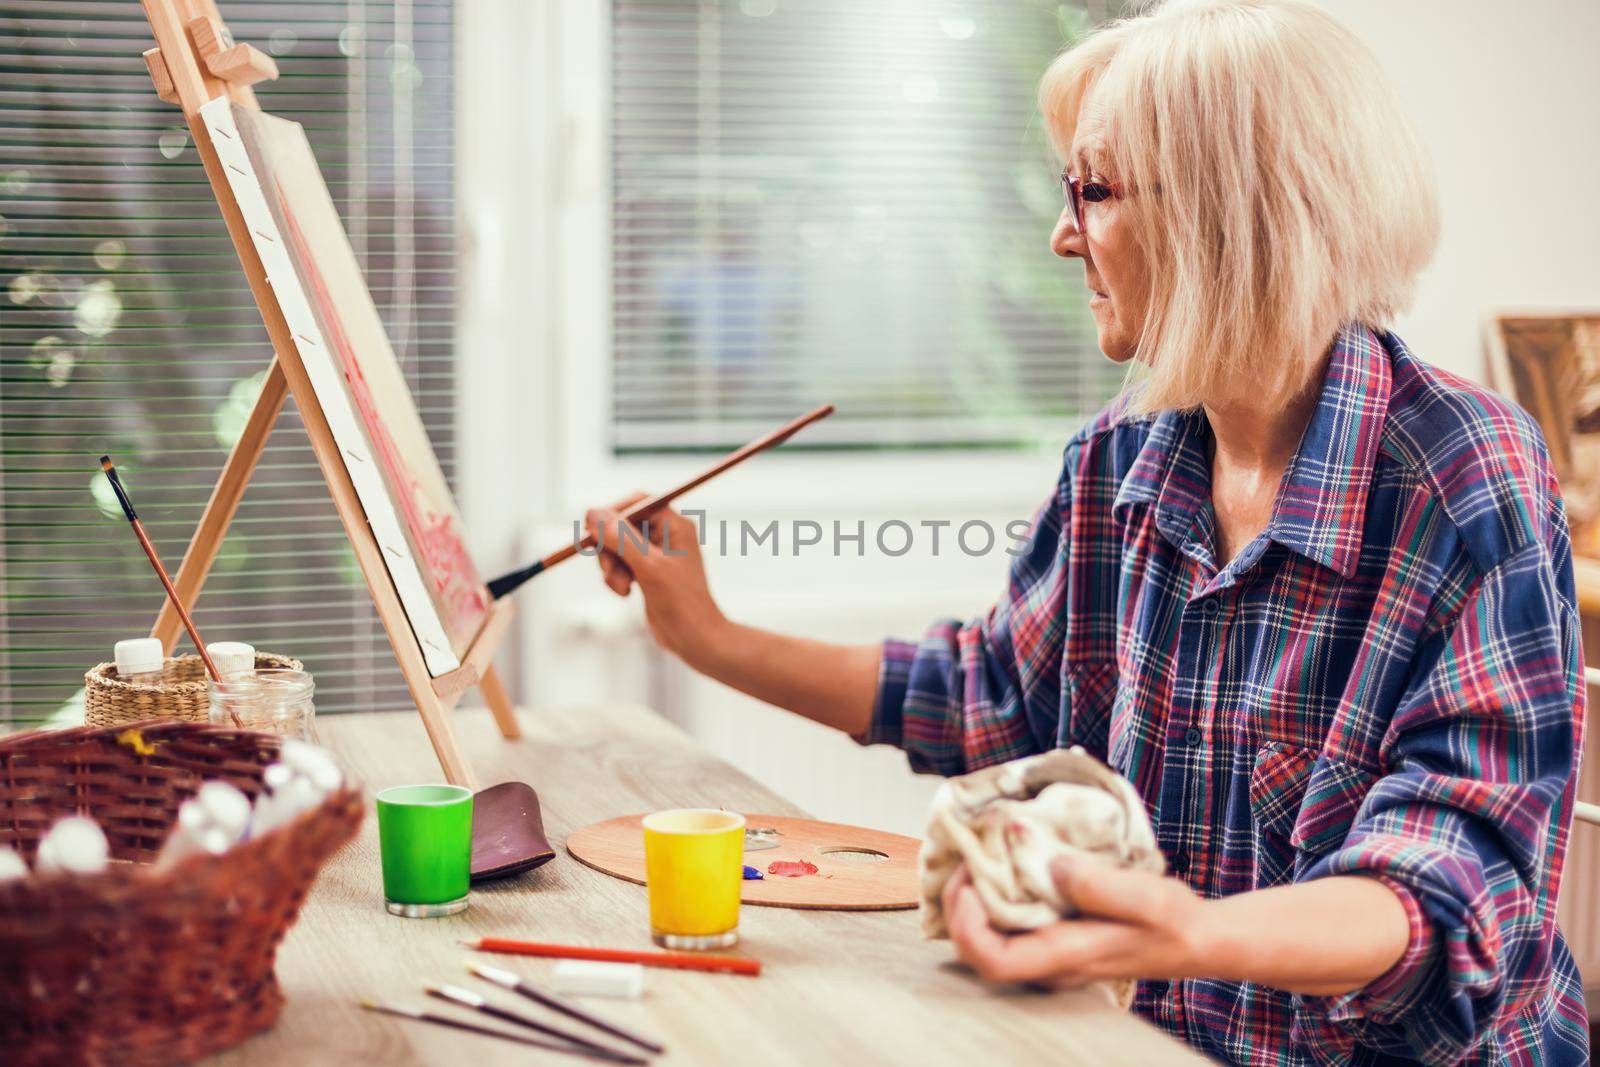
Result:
561,1035
489,1031
555,1003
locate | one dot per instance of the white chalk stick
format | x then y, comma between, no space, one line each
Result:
594,978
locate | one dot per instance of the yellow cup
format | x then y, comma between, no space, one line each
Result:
694,870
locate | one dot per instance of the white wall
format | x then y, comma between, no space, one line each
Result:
1506,96
1508,100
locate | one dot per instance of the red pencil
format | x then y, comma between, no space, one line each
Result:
684,961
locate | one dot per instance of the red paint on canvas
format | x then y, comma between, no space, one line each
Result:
446,564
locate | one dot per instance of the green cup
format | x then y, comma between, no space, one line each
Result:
425,841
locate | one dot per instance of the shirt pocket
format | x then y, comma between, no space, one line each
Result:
1333,798
1302,806
1277,788
1092,689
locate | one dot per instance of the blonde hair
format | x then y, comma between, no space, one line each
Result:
1274,183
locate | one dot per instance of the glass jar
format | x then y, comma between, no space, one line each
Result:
273,700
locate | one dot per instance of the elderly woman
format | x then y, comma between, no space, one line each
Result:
1310,594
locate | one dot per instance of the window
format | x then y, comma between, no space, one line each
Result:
126,327
830,200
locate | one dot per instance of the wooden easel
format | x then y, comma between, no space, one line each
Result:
196,60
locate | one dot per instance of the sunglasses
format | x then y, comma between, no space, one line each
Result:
1078,192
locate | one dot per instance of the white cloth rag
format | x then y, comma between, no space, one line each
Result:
1007,823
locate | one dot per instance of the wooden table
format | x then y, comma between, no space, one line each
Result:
837,987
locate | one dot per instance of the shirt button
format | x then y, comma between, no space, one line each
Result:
1178,864
1192,737
1212,607
1158,987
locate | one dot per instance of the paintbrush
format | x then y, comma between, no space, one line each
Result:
161,572
555,1003
487,1031
683,961
644,508
468,999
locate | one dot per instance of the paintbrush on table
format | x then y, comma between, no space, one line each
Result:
161,572
488,1031
468,999
649,505
554,1003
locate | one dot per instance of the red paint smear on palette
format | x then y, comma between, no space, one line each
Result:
792,868
446,563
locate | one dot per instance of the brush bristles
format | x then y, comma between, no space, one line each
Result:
105,464
457,994
494,974
506,583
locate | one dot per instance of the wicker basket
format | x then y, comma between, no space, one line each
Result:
136,966
184,694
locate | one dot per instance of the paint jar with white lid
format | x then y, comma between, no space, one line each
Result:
141,659
273,700
232,657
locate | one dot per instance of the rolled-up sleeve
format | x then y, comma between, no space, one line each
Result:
894,674
989,690
1469,827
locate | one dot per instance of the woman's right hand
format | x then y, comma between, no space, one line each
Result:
678,605
834,684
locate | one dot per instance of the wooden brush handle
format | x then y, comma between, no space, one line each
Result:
649,505
177,602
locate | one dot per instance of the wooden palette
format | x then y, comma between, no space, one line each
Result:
857,869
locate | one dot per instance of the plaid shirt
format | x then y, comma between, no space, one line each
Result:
1384,682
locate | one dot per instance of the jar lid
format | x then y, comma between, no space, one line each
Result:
139,655
232,657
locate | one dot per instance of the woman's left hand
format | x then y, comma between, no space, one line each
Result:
1131,924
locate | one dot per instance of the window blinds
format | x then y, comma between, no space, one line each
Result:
126,327
830,200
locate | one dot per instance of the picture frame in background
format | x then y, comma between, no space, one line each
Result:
1548,361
